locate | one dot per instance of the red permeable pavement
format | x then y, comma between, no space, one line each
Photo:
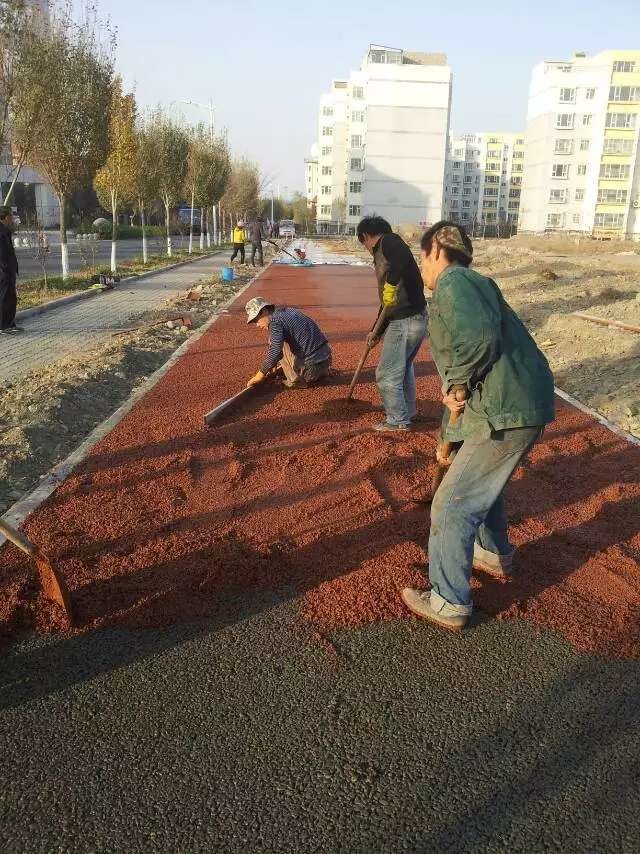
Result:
167,521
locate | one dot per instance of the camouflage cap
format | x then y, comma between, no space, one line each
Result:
255,306
450,237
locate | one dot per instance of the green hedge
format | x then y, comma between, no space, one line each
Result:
130,232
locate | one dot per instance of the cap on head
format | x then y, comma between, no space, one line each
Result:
450,238
5,211
255,306
240,223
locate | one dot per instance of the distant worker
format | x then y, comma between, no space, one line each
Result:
255,233
275,230
500,384
8,274
401,293
239,238
296,344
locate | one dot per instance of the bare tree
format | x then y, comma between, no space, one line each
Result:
197,167
241,197
115,181
167,147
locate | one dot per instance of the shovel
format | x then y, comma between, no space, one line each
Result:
282,249
376,329
53,585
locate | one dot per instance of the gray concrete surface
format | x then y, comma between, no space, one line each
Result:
243,734
70,328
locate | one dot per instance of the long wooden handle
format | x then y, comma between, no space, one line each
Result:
18,539
378,326
446,447
211,416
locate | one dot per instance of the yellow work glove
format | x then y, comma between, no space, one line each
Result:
389,295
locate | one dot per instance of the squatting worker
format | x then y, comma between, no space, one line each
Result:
478,344
401,294
238,238
296,344
8,274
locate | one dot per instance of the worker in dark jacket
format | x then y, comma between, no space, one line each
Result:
8,274
255,234
500,386
401,294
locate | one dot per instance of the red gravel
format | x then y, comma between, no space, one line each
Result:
165,521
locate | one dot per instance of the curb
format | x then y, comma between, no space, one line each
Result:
86,294
17,514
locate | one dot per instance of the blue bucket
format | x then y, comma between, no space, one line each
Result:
227,274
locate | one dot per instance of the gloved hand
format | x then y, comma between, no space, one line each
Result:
256,379
389,295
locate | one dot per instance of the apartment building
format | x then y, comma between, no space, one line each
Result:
383,140
582,159
483,181
311,176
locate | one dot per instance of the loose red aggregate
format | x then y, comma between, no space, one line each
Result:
166,521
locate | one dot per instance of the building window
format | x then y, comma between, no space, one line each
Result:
327,130
454,203
493,167
564,120
517,167
520,140
514,194
354,210
564,146
327,170
516,180
356,141
494,154
629,67
489,217
560,170
590,94
491,191
490,204
357,116
492,179
567,96
457,164
466,191
518,155
358,93
558,196
326,150
579,197
555,220
609,220
618,146
355,186
584,144
468,179
624,93
466,203
455,190
493,140
325,210
514,205
615,171
582,169
621,120
326,190
327,111
356,163
612,197
576,219
459,152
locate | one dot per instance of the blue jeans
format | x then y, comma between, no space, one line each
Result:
395,375
469,507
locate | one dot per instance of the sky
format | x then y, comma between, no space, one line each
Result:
265,64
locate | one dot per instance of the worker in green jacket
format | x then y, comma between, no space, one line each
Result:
500,386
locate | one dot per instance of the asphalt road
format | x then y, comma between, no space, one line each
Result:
244,733
81,254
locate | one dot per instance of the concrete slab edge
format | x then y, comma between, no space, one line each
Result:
62,301
629,437
22,509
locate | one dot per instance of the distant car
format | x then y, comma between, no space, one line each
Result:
287,228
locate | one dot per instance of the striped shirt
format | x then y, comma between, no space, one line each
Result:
300,332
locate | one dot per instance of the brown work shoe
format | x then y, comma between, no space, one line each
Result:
419,603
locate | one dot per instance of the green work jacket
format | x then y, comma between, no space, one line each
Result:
478,341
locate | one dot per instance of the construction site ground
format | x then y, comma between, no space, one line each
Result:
546,279
242,675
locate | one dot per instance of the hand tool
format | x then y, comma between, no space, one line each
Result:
460,392
53,585
368,348
217,411
282,249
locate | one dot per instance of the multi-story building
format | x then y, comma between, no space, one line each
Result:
311,176
582,159
483,181
383,139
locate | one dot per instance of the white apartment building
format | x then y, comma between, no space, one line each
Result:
311,176
483,181
383,141
582,159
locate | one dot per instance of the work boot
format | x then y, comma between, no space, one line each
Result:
385,427
298,383
498,566
429,606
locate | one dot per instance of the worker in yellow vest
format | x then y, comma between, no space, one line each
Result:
239,239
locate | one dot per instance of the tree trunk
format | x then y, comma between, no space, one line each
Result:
143,223
64,249
202,227
193,201
114,230
214,224
206,213
168,224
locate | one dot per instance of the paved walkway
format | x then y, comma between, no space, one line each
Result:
53,335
